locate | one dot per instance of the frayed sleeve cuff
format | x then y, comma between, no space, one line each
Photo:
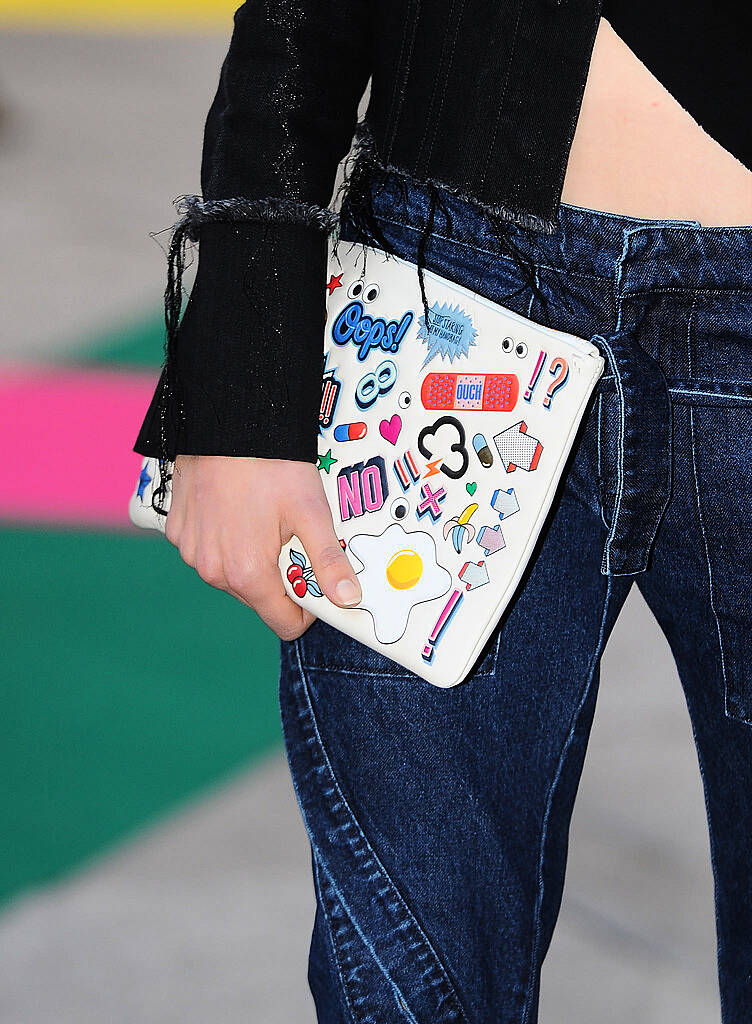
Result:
242,368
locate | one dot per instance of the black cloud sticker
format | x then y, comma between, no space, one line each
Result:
453,453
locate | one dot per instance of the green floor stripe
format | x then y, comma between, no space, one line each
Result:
129,684
137,344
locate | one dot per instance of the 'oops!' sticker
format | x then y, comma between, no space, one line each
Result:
367,332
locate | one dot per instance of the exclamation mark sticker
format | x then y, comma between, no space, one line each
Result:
455,599
536,375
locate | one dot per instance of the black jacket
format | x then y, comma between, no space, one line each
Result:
480,97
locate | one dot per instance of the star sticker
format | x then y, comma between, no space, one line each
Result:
334,282
326,461
143,480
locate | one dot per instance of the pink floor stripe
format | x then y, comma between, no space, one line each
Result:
66,438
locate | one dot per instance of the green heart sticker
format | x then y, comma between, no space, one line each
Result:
471,488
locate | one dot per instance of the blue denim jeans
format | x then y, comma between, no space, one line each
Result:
439,819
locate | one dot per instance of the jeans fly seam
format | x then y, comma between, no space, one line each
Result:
601,481
533,966
618,303
606,562
437,968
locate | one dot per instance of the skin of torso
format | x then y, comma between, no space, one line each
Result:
637,152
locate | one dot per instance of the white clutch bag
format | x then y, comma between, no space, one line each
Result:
441,446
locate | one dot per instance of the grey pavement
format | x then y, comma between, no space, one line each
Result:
98,134
207,917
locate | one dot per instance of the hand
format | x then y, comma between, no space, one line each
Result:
229,517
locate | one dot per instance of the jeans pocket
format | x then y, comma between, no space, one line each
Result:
721,439
323,648
375,932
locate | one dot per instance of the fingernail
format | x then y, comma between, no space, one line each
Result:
347,592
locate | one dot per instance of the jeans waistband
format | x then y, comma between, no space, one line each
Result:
638,255
644,254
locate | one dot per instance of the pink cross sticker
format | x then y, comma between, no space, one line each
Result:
430,504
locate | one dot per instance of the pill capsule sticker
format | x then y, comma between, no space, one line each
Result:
350,431
485,456
487,392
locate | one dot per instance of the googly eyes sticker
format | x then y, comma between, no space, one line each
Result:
365,292
404,400
519,348
400,508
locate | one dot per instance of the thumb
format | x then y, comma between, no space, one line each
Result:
330,564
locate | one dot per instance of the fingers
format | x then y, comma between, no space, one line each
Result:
257,584
261,588
335,575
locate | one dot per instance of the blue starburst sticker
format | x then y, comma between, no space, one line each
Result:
449,332
143,480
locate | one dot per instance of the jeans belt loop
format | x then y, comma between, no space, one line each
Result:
644,455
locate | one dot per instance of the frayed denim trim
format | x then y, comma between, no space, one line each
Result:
365,174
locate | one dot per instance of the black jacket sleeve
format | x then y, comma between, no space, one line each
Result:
242,373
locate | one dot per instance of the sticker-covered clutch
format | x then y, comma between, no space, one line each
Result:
441,445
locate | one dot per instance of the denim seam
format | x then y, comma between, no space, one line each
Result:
362,851
687,389
690,321
369,946
720,949
714,394
534,966
687,289
534,291
489,252
711,588
606,560
713,854
574,272
618,304
329,928
485,673
601,480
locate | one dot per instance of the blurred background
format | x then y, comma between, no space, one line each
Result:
152,863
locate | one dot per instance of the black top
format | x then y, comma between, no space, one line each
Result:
701,53
480,97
